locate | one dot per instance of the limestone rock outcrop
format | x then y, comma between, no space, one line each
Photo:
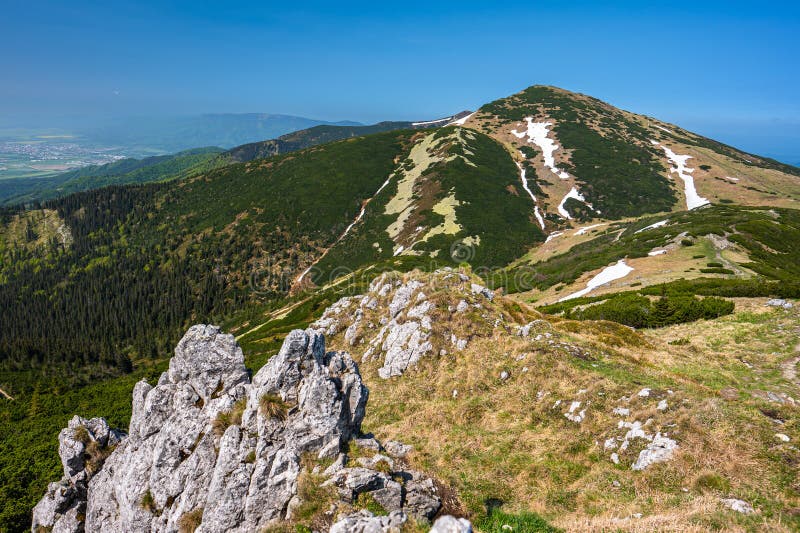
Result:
212,448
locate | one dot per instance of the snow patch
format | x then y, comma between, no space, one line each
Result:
461,121
607,275
574,194
652,226
524,181
656,252
537,134
693,200
553,236
583,231
662,129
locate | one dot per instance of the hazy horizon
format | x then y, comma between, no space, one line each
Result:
718,68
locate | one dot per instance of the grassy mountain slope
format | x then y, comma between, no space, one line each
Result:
455,197
611,157
506,437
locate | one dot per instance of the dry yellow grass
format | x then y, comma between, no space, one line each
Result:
488,437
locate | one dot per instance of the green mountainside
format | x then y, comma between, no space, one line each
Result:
100,279
125,171
186,163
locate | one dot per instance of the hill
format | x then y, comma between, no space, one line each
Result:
545,195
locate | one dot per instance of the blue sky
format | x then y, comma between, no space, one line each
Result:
727,69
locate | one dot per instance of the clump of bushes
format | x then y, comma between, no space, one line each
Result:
639,311
716,270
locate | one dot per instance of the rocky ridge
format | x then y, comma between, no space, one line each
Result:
210,449
396,322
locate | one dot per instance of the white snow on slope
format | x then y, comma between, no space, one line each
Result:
538,214
425,123
573,193
553,236
607,275
732,179
583,231
461,121
537,134
693,199
652,226
656,252
530,193
662,128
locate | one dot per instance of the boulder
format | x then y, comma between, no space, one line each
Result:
659,450
451,524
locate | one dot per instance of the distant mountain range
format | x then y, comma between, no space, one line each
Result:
191,161
173,134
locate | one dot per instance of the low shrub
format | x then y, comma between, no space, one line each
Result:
272,406
190,521
226,419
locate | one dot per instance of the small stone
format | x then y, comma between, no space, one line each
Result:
397,449
658,451
662,405
740,506
729,393
368,443
504,375
782,437
644,393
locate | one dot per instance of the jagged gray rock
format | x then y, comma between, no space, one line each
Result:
82,445
659,450
208,439
366,522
